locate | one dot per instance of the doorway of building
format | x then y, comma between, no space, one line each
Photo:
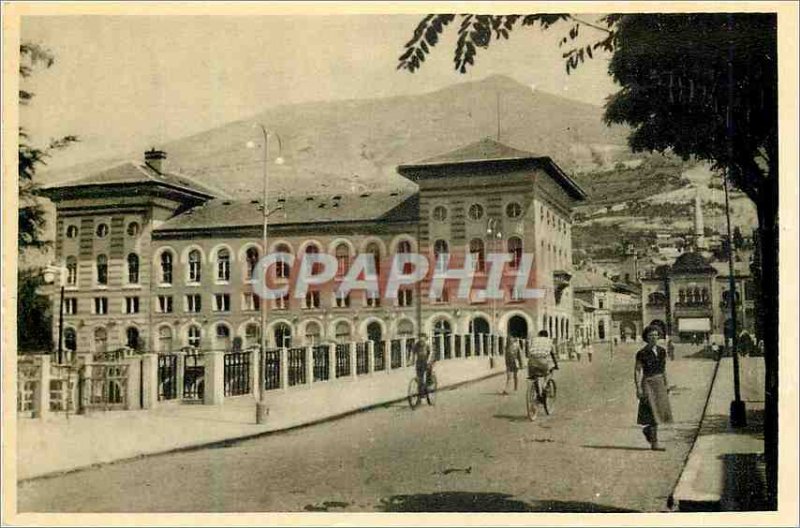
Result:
518,327
283,335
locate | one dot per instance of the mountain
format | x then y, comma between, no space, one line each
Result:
357,144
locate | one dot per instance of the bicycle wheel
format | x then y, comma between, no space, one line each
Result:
531,403
430,394
549,396
413,393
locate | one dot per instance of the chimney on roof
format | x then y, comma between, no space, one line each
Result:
156,160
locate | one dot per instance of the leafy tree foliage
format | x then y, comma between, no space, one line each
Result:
30,157
700,85
34,319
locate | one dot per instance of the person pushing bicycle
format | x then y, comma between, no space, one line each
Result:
423,361
541,347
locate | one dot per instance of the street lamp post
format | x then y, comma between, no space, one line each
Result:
262,410
495,236
738,417
50,273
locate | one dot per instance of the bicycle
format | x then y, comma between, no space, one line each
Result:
546,398
414,397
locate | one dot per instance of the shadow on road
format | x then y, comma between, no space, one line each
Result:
620,448
512,418
464,501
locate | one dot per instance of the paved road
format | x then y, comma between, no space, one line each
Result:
473,451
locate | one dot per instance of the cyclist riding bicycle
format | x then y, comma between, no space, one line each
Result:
541,347
423,360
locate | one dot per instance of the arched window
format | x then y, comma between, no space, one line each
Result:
283,335
72,231
439,213
133,268
374,250
440,253
193,336
100,340
195,266
282,269
251,256
251,335
374,332
312,250
405,328
404,248
102,269
72,271
166,267
342,259
132,338
313,333
704,295
165,339
342,332
133,229
70,339
682,296
478,252
515,250
223,265
223,335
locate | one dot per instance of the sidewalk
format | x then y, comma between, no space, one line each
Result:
62,444
725,470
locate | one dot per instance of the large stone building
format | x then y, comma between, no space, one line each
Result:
690,299
157,261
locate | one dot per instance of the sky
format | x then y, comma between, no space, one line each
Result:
122,83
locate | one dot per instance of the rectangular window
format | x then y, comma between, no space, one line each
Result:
131,305
194,303
600,303
165,303
100,305
251,302
281,303
71,306
222,302
405,297
443,297
373,299
515,294
342,300
312,300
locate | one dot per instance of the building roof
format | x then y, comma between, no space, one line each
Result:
486,149
394,206
692,262
589,280
132,172
582,304
489,151
740,269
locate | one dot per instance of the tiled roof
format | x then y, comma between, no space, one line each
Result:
488,150
135,172
484,150
588,280
298,209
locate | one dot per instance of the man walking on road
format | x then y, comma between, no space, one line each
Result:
513,357
651,387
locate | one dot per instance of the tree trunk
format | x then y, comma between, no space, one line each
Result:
768,313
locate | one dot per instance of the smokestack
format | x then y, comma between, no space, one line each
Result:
156,160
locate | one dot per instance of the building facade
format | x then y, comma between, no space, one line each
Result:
157,261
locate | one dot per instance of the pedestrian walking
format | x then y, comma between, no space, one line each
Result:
589,349
513,357
578,351
650,378
670,349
